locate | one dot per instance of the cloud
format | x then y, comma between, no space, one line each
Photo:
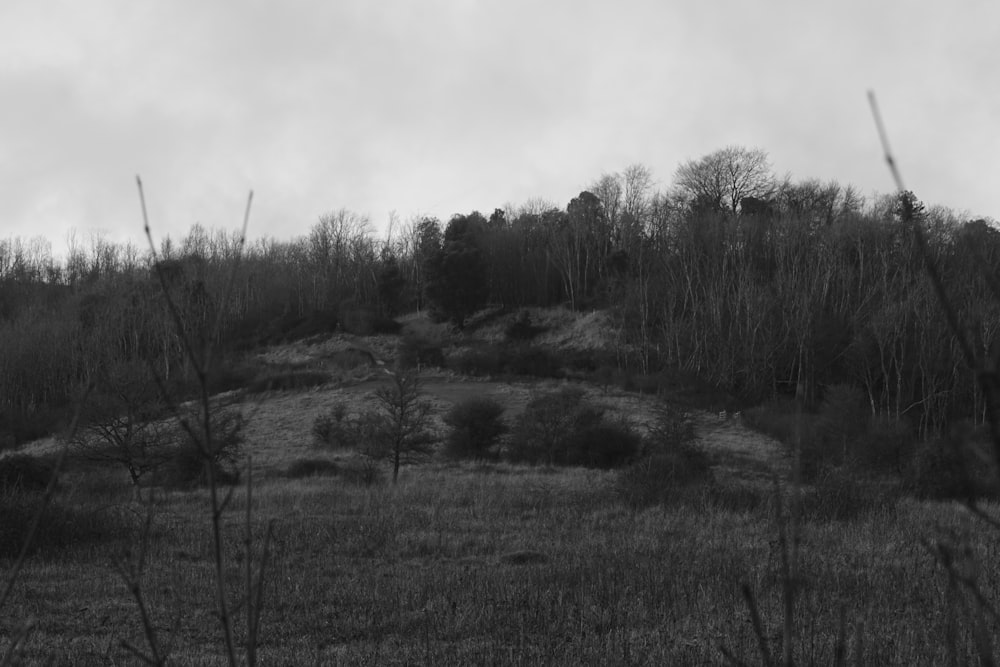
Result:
440,107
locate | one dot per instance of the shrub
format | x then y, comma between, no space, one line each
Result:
736,497
362,472
476,426
606,375
588,362
521,329
287,380
671,462
564,428
604,445
25,473
420,344
545,430
386,326
357,319
843,418
61,526
885,447
230,376
333,428
777,418
664,476
844,412
784,420
188,465
530,360
672,428
18,427
839,495
312,468
959,466
481,361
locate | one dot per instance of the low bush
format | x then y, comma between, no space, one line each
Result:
62,526
188,465
25,473
587,362
230,376
838,494
338,429
607,444
359,472
521,329
735,497
671,463
606,376
18,427
779,418
362,472
841,433
564,428
312,468
531,361
959,466
386,326
476,427
480,361
420,344
287,380
546,428
357,319
664,476
886,447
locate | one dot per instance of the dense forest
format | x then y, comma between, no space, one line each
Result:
756,284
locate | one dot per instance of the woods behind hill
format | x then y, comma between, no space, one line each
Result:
755,284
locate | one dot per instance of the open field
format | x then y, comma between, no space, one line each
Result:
490,563
487,564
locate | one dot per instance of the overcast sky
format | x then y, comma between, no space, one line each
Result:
437,107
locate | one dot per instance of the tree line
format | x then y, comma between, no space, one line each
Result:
754,283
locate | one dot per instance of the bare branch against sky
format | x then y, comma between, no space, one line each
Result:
444,106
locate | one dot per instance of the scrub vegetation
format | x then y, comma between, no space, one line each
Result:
742,420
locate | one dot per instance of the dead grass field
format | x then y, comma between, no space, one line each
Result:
468,564
497,564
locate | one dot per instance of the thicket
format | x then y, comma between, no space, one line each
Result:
780,289
476,425
670,465
563,427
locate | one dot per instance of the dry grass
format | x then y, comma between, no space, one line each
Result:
492,563
500,564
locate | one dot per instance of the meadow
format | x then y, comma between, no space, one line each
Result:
491,563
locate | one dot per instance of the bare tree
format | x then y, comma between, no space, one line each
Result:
403,431
123,421
722,179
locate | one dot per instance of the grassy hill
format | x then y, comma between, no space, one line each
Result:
477,562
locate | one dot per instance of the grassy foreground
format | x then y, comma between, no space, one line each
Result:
493,565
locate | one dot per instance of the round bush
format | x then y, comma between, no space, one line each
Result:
603,445
188,464
25,472
476,426
479,361
664,475
546,428
312,468
959,466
